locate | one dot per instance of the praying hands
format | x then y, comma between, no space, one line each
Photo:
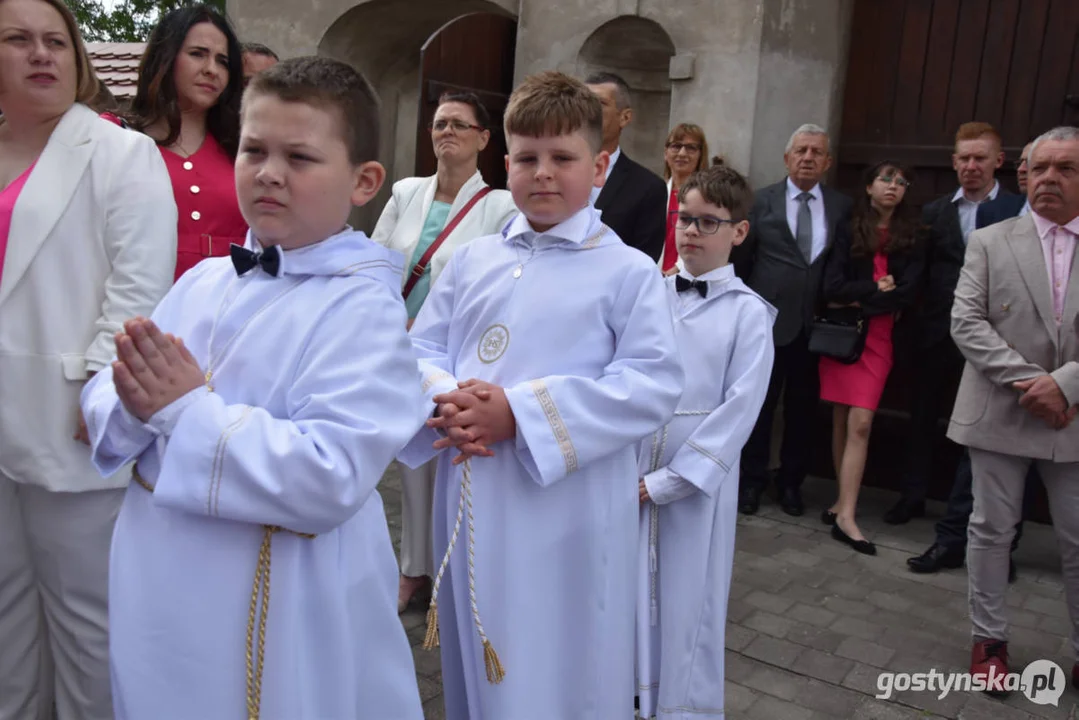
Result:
474,417
153,369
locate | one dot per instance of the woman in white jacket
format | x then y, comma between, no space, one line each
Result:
87,240
426,219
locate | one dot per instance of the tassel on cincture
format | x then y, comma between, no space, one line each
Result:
655,613
430,640
495,671
653,561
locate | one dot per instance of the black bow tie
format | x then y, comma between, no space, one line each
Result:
682,284
244,259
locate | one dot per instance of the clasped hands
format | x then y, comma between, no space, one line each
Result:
886,283
474,417
1043,398
152,369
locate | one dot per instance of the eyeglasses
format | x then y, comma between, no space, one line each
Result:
678,147
897,179
707,225
457,125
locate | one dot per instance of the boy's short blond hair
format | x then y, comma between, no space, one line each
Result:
723,187
553,103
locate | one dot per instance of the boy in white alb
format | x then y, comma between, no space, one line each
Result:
260,438
566,351
689,484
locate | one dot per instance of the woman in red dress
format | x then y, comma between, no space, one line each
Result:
188,100
685,152
876,266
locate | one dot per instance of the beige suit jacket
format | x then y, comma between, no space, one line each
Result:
1003,323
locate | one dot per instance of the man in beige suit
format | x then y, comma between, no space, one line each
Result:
1015,321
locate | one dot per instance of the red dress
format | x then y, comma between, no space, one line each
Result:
670,248
8,198
862,383
204,187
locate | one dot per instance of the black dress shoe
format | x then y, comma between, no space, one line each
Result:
1011,571
935,558
790,500
863,546
827,517
902,512
749,500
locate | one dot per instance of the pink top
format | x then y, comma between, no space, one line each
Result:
8,196
1058,246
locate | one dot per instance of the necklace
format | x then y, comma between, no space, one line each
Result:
519,270
214,360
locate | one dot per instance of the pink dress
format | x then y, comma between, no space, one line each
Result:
862,383
8,196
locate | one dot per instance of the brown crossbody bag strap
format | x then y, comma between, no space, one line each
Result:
419,268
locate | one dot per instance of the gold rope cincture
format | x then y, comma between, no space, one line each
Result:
491,662
658,450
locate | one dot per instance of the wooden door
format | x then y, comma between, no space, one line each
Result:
917,70
471,53
920,68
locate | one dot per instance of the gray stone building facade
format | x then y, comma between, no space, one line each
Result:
747,71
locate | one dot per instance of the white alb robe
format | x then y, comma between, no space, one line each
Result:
315,389
583,343
691,468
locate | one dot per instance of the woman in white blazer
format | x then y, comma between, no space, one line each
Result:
88,240
417,214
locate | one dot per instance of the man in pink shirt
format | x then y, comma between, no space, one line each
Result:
1015,321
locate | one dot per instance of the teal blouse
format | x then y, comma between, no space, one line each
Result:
432,226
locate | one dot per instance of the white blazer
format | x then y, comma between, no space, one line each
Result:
402,220
92,243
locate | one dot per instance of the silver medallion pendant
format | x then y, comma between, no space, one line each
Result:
517,271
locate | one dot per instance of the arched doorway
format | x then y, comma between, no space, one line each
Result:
383,39
640,51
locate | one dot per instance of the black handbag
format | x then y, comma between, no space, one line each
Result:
839,333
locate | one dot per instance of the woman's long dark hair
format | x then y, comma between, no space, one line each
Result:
156,98
905,227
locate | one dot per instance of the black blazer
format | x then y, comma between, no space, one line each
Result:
633,203
945,251
849,279
770,262
1004,207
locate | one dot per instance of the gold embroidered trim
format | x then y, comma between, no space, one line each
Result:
430,380
217,468
594,240
561,432
708,455
141,480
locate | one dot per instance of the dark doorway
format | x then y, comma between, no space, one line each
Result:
917,70
471,53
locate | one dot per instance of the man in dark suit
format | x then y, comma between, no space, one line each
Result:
950,544
791,225
633,201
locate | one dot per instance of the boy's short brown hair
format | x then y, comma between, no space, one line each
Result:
977,131
329,85
553,103
723,187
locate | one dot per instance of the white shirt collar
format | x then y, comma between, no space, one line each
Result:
793,191
577,228
991,196
614,158
722,273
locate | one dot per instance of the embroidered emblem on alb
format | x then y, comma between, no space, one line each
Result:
493,343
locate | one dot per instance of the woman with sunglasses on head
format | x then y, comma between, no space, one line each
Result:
685,152
876,266
426,219
87,241
188,100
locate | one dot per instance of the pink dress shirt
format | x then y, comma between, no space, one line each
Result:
1058,246
8,196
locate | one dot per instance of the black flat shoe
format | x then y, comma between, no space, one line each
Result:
935,558
1012,575
749,500
790,501
903,511
863,546
827,517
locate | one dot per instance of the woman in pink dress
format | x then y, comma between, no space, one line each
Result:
876,266
188,101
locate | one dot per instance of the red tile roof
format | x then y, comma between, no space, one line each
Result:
117,65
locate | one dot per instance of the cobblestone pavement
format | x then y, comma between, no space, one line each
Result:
811,623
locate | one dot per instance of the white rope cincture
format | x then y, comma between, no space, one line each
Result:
492,664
